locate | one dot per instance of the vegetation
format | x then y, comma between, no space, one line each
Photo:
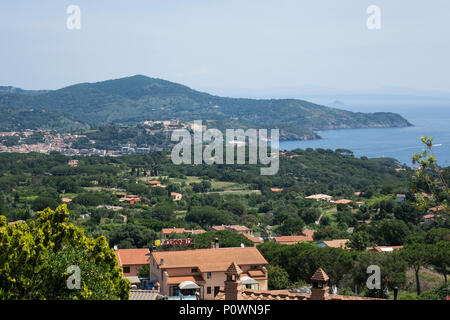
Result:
223,194
35,256
129,100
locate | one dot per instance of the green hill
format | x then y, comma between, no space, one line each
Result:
138,98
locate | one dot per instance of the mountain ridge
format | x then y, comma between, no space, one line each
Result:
138,98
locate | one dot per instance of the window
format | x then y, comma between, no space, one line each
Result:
208,290
216,291
194,270
126,269
208,275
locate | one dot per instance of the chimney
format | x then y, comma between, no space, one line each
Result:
319,290
233,282
156,286
216,243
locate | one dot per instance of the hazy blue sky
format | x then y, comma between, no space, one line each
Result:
228,46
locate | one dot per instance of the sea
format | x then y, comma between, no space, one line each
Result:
429,119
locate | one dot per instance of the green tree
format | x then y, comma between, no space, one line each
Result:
291,226
416,256
34,258
278,278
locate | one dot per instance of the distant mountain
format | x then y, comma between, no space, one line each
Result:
9,89
138,98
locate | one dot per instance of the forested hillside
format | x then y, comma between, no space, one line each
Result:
137,98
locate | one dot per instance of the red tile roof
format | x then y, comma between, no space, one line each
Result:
172,230
436,209
342,201
217,259
253,239
337,243
132,256
295,239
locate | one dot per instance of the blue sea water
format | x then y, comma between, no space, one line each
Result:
398,143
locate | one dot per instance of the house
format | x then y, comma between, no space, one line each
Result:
234,289
401,197
238,229
202,271
73,163
360,203
428,218
357,193
131,260
176,196
290,239
276,189
154,183
166,232
308,237
66,200
336,243
384,248
342,201
255,240
436,209
131,199
232,228
320,197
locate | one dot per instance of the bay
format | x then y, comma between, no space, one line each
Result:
399,143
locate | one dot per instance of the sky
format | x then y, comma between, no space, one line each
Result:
228,47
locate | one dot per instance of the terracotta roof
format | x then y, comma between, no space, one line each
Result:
276,189
155,182
256,273
320,275
179,279
342,201
238,228
132,256
296,239
249,294
218,228
337,243
172,230
216,259
143,295
232,227
428,216
253,239
436,209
